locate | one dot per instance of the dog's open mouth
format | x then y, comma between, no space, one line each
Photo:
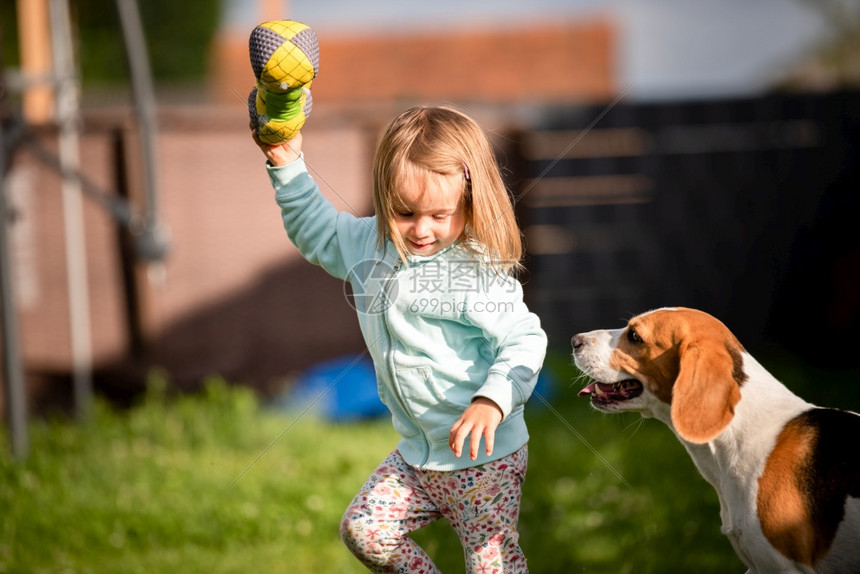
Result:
606,393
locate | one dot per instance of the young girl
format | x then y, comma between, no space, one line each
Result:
455,349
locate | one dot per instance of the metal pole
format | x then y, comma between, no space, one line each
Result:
16,403
152,243
73,215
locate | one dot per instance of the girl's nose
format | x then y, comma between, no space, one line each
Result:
420,227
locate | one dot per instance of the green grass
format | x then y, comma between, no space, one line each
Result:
217,484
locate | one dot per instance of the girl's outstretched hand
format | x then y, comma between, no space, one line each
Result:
282,154
480,419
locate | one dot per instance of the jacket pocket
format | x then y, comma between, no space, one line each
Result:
434,403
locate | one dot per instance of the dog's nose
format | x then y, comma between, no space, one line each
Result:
577,341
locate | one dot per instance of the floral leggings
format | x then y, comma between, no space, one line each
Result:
481,503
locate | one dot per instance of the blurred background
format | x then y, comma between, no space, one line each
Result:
662,153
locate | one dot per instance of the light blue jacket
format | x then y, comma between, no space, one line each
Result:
442,330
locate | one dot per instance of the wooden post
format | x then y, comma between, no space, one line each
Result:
133,279
34,38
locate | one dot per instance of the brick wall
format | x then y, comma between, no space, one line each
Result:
233,297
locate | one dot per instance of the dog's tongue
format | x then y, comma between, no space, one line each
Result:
589,390
598,388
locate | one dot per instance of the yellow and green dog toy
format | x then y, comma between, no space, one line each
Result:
285,58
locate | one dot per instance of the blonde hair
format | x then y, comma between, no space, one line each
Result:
443,142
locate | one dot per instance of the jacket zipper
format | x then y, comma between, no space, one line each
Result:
391,371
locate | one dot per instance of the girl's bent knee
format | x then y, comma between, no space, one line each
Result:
365,543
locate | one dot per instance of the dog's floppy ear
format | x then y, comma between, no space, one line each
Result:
705,393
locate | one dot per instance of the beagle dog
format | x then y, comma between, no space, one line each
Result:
787,472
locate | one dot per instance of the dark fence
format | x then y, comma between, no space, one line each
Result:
748,209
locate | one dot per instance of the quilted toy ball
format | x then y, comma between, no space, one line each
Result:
285,59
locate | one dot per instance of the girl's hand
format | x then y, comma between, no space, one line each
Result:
481,418
282,154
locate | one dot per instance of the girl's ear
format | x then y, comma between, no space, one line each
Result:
705,393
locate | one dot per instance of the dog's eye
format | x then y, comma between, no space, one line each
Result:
633,336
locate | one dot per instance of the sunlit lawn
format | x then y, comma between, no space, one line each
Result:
216,483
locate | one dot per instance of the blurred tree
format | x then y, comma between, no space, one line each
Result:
179,34
835,63
8,34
